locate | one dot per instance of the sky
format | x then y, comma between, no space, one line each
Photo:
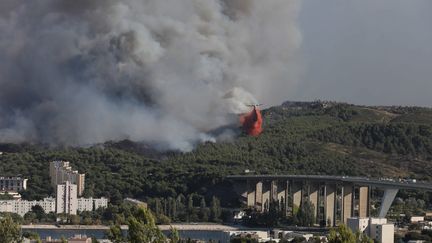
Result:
168,72
371,52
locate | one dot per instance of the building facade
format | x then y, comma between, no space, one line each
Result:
100,203
23,207
376,228
85,204
67,200
13,184
90,204
358,224
382,233
61,171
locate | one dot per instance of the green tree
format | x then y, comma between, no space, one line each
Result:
343,234
362,238
174,235
142,228
40,213
298,239
115,234
32,236
203,211
9,231
158,206
215,209
306,214
191,212
181,207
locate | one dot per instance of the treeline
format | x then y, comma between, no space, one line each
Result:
275,215
186,209
392,138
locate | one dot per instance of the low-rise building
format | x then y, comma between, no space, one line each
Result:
416,219
135,202
85,204
100,203
13,195
376,228
66,206
13,183
382,233
358,224
90,204
80,239
253,234
22,207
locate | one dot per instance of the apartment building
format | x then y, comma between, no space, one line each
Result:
376,228
66,199
90,204
100,203
61,171
22,207
13,184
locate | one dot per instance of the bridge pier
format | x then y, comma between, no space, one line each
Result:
364,198
387,200
347,204
266,191
258,196
251,188
313,196
334,198
330,204
296,196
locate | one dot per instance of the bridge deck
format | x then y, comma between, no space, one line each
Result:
364,181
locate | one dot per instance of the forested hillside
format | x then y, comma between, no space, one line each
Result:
298,138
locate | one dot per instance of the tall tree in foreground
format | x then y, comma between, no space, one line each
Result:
10,232
174,235
142,228
215,209
343,234
115,234
306,214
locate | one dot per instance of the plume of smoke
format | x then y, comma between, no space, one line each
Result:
166,72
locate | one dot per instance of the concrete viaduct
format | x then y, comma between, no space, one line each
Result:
335,198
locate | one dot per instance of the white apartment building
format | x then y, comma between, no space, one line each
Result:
358,224
383,233
67,201
7,206
85,204
61,171
13,184
376,228
100,203
23,207
90,204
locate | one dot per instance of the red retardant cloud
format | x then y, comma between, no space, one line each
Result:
252,122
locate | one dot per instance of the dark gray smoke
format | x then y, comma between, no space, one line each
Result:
83,72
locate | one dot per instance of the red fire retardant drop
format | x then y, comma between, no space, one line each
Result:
252,122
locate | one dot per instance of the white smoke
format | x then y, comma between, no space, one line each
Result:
166,72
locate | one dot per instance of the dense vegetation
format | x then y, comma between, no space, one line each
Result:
298,138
